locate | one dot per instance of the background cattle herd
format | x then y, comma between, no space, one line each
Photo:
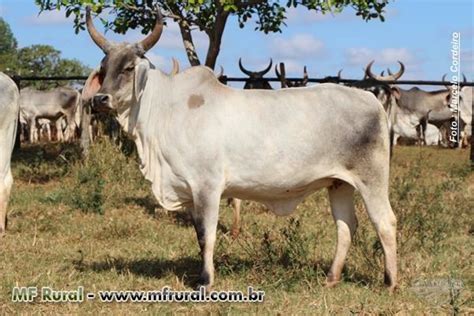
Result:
416,116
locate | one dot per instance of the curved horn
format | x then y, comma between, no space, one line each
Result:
155,35
221,73
390,77
339,74
245,71
464,79
263,72
400,72
98,38
368,70
305,76
444,79
175,70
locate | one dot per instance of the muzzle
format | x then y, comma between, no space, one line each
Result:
102,102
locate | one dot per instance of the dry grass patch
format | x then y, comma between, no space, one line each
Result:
95,223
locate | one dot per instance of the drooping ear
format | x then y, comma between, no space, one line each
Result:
141,76
396,92
92,85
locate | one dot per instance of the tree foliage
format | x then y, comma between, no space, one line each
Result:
35,60
45,60
209,16
8,45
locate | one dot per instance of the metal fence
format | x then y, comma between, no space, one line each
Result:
356,82
224,78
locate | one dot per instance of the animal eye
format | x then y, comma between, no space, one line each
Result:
129,68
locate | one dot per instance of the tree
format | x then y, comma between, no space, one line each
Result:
35,60
38,60
8,45
209,16
45,60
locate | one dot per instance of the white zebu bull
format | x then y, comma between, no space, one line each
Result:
8,123
200,141
53,105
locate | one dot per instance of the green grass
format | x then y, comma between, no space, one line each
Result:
95,223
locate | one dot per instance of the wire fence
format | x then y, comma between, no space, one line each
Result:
224,78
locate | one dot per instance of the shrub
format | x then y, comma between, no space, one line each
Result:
105,178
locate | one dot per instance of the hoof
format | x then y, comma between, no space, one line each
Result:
235,233
392,289
207,288
331,284
204,281
390,283
332,281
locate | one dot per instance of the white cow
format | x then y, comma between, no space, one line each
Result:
465,106
405,124
200,141
55,104
9,109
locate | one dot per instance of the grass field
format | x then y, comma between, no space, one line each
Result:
96,224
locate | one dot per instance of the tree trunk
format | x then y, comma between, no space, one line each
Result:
189,44
215,38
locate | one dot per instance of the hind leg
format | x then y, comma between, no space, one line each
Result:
237,205
341,197
380,212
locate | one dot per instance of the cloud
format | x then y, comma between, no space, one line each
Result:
297,46
362,56
302,16
165,63
158,60
170,40
293,68
54,17
387,57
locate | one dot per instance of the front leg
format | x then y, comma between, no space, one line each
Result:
205,216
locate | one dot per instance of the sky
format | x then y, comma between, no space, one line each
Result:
417,32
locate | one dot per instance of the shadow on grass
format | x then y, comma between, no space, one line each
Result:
357,278
183,218
147,202
46,152
41,163
180,218
186,269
